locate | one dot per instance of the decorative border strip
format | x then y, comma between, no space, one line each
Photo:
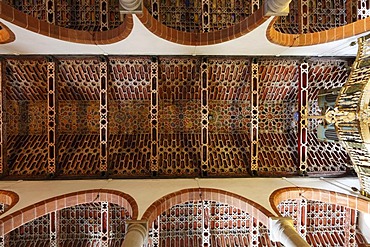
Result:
304,20
254,232
104,241
3,162
50,11
104,17
204,116
302,218
52,113
350,228
205,16
155,9
303,116
254,117
154,117
54,229
103,117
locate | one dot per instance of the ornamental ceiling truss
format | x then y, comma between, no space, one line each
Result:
141,117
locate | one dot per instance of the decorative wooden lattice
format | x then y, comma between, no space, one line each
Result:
201,15
79,118
319,15
207,223
179,117
92,224
80,15
163,116
290,23
36,232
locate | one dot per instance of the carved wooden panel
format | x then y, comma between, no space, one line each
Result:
179,116
290,23
79,154
278,79
326,14
179,78
26,79
27,155
78,79
79,117
325,157
229,154
26,117
228,79
179,154
327,73
129,155
129,78
129,117
157,109
276,116
277,154
36,233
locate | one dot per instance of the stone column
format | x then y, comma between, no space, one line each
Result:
283,231
130,5
137,233
276,7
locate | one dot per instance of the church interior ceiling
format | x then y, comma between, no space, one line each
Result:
167,116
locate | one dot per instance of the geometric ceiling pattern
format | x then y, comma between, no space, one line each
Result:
170,116
83,117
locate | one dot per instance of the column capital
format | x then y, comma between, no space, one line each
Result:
131,6
282,230
276,226
277,7
136,234
140,226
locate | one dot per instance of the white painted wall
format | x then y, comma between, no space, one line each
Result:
145,192
142,42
